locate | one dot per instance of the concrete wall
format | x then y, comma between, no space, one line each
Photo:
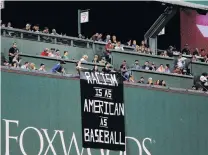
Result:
157,122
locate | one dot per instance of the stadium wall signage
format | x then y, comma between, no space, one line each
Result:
14,138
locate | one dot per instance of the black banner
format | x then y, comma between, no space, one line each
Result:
102,110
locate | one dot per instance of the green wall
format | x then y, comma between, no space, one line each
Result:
163,123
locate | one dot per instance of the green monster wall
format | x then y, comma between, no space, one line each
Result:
37,109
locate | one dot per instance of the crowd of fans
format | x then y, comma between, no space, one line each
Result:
180,64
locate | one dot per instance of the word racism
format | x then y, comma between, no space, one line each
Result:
17,140
102,111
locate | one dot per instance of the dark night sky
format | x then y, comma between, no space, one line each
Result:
127,20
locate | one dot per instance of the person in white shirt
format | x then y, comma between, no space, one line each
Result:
84,58
42,67
119,47
25,66
181,61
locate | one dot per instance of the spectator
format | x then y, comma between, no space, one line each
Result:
205,59
51,52
204,81
107,54
196,52
143,44
95,37
95,60
131,79
194,58
142,49
148,51
128,43
54,32
152,66
32,66
164,54
45,52
203,53
150,82
9,25
114,41
136,65
119,47
59,68
42,67
12,52
161,69
157,82
46,30
124,70
134,44
3,25
146,66
3,60
177,70
25,66
27,27
36,28
170,51
57,54
102,61
107,38
137,49
106,69
84,59
167,68
141,80
162,83
186,50
16,60
95,69
99,38
65,56
180,62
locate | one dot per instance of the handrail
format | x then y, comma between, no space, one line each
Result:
141,54
57,36
168,74
156,56
57,59
136,85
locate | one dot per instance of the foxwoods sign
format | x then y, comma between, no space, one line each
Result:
47,143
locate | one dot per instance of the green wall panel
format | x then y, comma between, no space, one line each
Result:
174,122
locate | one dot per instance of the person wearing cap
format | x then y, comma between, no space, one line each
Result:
12,52
59,68
42,67
186,50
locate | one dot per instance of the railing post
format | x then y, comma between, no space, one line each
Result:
88,45
4,33
55,40
21,35
38,37
72,43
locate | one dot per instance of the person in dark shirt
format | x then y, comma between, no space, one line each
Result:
186,50
106,69
141,80
12,52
